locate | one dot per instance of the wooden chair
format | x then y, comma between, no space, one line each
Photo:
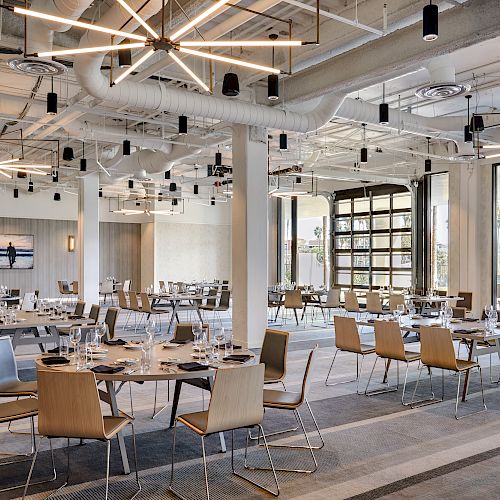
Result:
292,401
459,312
389,345
332,302
374,304
293,300
437,351
64,288
347,339
107,289
351,303
69,407
395,300
133,300
236,403
148,310
274,301
110,320
466,300
79,311
94,313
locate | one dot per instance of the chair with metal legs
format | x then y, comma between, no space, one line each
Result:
292,401
236,403
437,351
374,304
347,339
135,307
69,407
351,303
389,346
332,302
293,300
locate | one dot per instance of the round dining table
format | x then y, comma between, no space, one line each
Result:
165,359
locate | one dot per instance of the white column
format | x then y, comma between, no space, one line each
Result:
249,234
88,239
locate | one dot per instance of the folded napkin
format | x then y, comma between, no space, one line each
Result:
75,316
56,350
240,358
464,330
416,325
471,320
371,321
116,342
185,341
107,369
192,367
55,360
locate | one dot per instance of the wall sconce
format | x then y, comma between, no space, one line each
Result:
71,243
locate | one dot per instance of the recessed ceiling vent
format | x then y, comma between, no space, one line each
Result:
442,83
37,67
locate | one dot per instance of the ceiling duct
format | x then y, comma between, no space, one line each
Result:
442,84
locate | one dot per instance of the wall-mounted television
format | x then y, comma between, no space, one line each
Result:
16,251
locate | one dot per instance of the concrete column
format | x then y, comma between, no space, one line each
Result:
249,235
148,256
88,239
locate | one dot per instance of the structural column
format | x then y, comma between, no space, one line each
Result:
88,239
249,235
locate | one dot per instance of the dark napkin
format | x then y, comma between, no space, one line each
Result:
75,316
185,341
55,360
470,320
107,369
415,325
192,367
234,346
371,321
56,350
116,342
241,358
464,330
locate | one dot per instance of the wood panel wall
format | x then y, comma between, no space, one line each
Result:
120,253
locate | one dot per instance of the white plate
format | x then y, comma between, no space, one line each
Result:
455,320
99,355
168,345
197,356
133,347
127,361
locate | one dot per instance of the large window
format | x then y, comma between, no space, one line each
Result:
438,223
286,240
372,238
496,235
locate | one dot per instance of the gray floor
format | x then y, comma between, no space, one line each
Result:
374,447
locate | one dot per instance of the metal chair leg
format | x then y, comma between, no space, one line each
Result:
432,400
108,451
381,391
345,381
458,396
30,473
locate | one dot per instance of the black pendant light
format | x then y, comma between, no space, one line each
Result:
231,85
130,184
167,175
125,58
16,193
126,142
174,202
477,123
196,187
172,187
68,154
30,186
100,192
57,196
183,125
52,101
160,196
383,109
273,91
283,142
218,159
212,201
428,162
430,22
467,132
363,157
55,175
83,161
298,180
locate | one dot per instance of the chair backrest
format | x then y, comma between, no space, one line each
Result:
293,299
389,341
8,365
79,308
351,303
466,300
184,331
110,319
68,405
306,381
107,287
346,334
442,293
212,301
122,299
145,303
94,313
29,301
133,301
459,312
162,285
273,299
436,348
237,398
273,354
126,285
373,303
75,287
333,298
225,298
63,286
396,299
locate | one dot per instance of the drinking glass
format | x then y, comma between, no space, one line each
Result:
219,336
101,331
63,347
90,345
228,344
401,309
448,314
151,327
75,335
197,329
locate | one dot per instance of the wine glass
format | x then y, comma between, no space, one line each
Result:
101,331
219,336
197,329
75,335
151,328
401,309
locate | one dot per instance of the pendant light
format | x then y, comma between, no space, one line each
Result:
477,123
83,161
68,154
212,201
30,186
363,157
52,101
430,22
100,192
173,187
57,196
125,58
383,109
55,175
283,142
298,180
16,193
130,184
126,142
231,85
196,187
160,196
167,175
174,202
467,132
428,162
218,159
272,79
183,125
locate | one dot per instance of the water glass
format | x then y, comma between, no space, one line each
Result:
219,336
90,345
197,329
101,331
228,346
63,347
146,355
75,335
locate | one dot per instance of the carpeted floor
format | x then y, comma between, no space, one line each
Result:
374,446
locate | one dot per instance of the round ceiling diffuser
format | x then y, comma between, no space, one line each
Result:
441,90
37,67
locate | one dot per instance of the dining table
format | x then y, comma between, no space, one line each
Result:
27,325
472,331
165,360
175,302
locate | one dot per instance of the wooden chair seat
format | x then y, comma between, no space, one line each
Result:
20,389
463,365
15,410
366,349
411,356
196,421
285,400
112,425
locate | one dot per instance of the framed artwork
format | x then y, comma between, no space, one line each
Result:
16,251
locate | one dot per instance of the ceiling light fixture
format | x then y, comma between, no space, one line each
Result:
430,24
196,187
87,50
230,85
283,142
16,193
183,125
30,186
428,162
134,66
218,159
12,160
273,91
477,123
167,175
68,153
173,187
100,192
130,184
363,156
240,43
496,155
126,142
196,78
57,196
138,19
23,169
467,132
52,101
383,109
212,201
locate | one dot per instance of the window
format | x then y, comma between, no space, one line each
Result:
438,223
496,234
372,238
286,240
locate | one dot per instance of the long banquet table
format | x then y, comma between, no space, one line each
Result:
181,354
